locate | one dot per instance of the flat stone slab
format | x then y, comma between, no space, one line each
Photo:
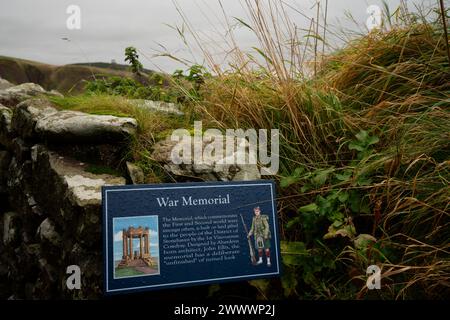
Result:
211,169
38,119
27,113
87,190
77,126
160,106
83,188
11,96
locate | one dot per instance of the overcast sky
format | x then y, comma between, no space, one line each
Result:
33,29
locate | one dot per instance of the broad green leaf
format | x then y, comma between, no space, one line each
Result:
355,146
324,205
333,195
337,224
292,223
336,216
355,201
305,188
287,181
343,196
345,231
362,136
298,171
309,208
364,208
293,252
372,140
363,180
321,177
363,240
344,176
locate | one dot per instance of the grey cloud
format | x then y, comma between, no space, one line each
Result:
33,29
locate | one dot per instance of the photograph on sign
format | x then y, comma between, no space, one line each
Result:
172,235
136,249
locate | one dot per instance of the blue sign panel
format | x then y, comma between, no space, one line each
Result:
185,234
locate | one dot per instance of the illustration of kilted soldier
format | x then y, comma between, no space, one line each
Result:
261,232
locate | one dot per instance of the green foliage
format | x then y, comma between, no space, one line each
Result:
116,86
329,216
180,87
363,144
304,266
132,89
364,148
339,200
197,74
132,58
95,104
191,81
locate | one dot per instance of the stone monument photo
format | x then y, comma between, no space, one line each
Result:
136,249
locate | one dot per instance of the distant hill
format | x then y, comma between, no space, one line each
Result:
113,66
64,78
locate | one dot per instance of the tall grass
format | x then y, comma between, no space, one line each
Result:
393,83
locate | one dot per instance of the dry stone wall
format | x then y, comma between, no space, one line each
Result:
50,199
50,202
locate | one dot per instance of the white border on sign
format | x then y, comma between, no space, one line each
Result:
194,281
